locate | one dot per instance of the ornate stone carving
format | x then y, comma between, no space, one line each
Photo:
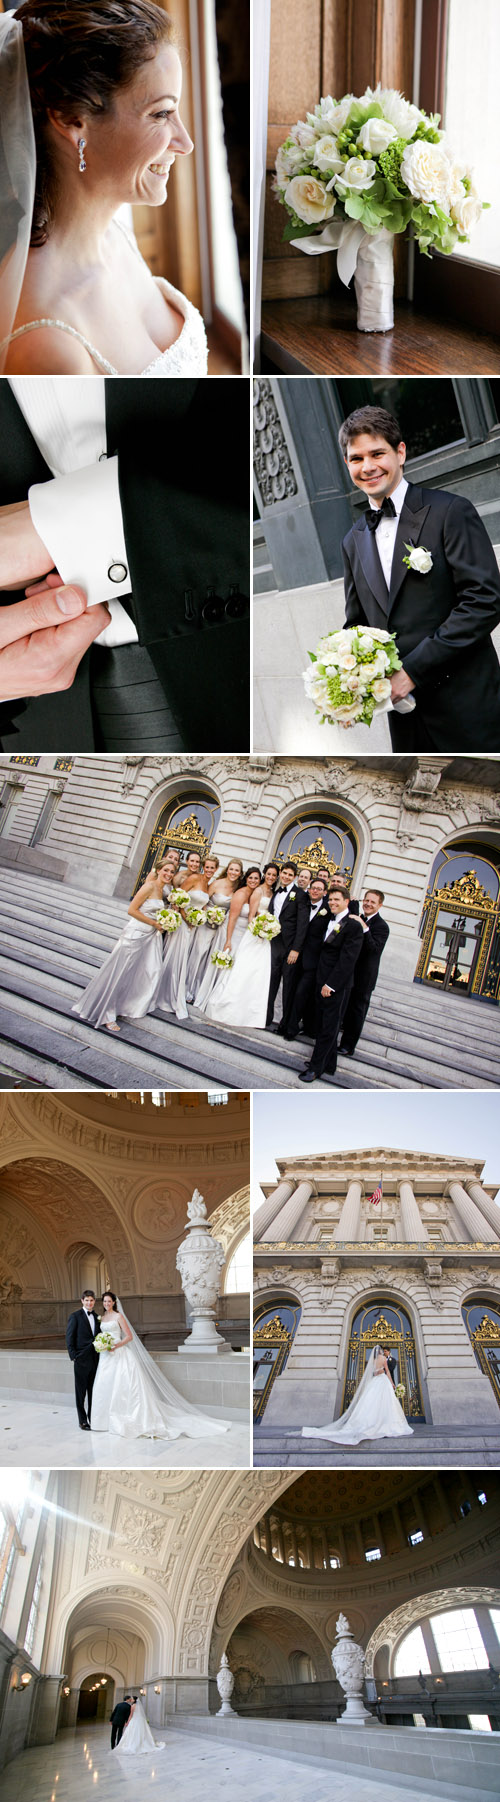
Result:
349,1663
200,1260
225,1685
274,471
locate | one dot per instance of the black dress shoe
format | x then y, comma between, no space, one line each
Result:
347,1050
85,1426
307,1075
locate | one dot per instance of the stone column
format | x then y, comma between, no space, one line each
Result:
295,1549
476,1225
268,1537
413,1225
266,1213
486,1206
283,1226
400,1532
488,1634
348,1226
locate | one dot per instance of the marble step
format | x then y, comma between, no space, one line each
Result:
281,1448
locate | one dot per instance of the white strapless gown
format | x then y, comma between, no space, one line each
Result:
378,1415
126,1401
137,1736
241,998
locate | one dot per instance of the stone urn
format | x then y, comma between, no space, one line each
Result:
200,1260
348,1661
225,1685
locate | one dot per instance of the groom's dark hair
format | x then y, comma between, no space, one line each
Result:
88,1292
375,421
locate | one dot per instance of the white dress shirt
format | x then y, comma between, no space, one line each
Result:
279,900
385,535
91,1322
336,918
78,515
315,907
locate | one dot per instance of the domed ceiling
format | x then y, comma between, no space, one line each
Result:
335,1494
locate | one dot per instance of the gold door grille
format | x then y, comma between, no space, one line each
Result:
401,1341
272,1342
486,1343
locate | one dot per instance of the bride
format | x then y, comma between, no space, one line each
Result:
242,996
131,1397
90,92
137,1735
375,1412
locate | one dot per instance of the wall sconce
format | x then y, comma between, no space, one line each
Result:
142,1692
25,1679
157,1689
103,1682
66,1690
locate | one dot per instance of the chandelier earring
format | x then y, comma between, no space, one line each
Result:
82,144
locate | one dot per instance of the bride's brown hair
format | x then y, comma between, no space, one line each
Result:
77,55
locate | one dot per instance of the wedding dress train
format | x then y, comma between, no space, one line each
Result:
374,1413
137,1736
133,1399
242,996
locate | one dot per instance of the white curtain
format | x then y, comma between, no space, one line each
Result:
261,36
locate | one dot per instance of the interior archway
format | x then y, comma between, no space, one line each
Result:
275,1645
96,1697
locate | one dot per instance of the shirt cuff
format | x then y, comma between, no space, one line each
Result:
79,518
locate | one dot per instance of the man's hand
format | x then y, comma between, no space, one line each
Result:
401,685
23,556
292,957
43,639
326,991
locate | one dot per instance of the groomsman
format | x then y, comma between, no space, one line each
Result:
366,972
303,1002
304,878
291,907
339,955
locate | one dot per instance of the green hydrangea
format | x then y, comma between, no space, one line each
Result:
390,161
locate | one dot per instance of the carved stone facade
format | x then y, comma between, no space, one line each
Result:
337,1270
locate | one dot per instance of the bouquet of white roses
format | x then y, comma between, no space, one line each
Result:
264,926
168,918
179,897
349,678
104,1341
215,916
380,161
400,1392
224,960
195,916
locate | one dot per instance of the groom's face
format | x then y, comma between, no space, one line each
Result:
374,465
88,1303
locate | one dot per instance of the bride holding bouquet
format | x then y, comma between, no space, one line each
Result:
240,998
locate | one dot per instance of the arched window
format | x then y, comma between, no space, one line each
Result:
34,1609
483,1326
384,1323
460,923
320,838
273,1335
186,822
238,1276
454,1640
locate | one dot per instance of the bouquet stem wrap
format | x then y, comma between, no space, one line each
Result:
367,256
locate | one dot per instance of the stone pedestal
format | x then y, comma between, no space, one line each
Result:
200,1260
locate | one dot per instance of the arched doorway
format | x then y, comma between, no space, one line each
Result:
461,921
273,1335
277,1657
188,821
96,1697
483,1326
384,1323
320,837
87,1269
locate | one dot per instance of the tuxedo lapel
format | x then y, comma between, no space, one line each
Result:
410,525
372,566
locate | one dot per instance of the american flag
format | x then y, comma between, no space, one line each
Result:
377,1194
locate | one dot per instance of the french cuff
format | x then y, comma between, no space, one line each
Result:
79,518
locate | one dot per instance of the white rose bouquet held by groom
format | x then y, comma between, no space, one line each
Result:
357,171
349,680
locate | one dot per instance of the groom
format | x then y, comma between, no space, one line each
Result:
80,1334
442,609
119,1718
391,1364
115,486
290,905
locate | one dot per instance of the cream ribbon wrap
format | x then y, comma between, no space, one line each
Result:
366,256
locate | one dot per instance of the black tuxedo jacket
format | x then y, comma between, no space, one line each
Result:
293,919
391,1366
120,1713
185,510
79,1334
442,620
368,964
339,955
311,949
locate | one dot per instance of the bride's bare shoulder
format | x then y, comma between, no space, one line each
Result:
46,350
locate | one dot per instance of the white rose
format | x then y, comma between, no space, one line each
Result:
366,641
381,690
420,559
288,163
303,134
426,171
326,156
467,212
401,113
348,714
334,113
346,660
379,664
376,135
380,634
308,198
457,172
359,173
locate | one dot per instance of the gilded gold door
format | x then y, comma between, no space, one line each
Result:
391,1328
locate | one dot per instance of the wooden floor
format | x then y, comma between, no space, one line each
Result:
318,336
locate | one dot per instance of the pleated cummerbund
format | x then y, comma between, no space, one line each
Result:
129,707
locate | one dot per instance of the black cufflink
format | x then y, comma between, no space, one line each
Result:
117,572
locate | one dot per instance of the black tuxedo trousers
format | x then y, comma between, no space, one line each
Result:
336,968
182,459
365,978
85,1360
443,620
294,921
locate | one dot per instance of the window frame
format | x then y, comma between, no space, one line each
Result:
456,287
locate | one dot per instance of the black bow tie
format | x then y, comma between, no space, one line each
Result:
375,514
281,891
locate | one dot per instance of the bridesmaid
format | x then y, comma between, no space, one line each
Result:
169,996
207,939
237,923
128,977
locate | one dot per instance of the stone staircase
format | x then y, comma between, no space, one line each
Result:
53,938
444,1447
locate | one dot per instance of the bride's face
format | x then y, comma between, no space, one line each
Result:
133,147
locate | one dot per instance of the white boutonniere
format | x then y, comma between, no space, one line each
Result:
293,895
418,558
322,910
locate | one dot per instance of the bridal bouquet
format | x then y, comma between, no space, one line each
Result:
224,960
400,1392
195,916
365,168
168,918
264,926
104,1342
215,916
349,679
179,897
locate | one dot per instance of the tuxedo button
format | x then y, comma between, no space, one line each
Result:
213,610
236,604
117,572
